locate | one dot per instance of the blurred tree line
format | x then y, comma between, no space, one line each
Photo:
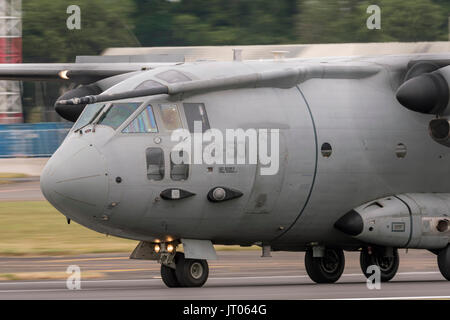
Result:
120,23
125,23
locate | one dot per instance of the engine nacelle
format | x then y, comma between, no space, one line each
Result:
72,112
403,221
427,93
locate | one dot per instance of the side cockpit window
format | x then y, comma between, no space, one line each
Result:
143,123
196,112
179,165
117,113
170,116
155,164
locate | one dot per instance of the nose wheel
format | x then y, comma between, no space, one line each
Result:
187,272
388,262
325,269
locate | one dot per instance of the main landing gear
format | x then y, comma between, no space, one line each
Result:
325,266
386,259
181,272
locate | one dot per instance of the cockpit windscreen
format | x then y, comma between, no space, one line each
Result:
117,113
89,113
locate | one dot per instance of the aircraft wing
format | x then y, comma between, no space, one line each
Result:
74,72
283,78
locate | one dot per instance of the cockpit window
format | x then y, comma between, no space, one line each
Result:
88,114
148,84
173,76
118,113
170,116
196,112
143,123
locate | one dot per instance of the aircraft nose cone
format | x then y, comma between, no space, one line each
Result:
351,223
74,181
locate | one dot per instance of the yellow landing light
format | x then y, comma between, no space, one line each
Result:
63,74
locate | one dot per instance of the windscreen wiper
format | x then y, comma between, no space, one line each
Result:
101,116
95,116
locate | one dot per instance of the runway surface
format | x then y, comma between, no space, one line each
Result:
21,191
236,275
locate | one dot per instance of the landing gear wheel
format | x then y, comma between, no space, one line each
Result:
388,265
191,272
327,269
444,262
169,277
168,274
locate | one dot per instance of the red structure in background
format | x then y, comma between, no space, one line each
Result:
10,52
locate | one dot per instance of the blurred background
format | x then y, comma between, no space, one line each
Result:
41,25
36,31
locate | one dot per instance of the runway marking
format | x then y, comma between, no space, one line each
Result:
33,290
212,278
86,259
344,275
121,270
19,190
393,298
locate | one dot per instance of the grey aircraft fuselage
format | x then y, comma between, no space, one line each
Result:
98,176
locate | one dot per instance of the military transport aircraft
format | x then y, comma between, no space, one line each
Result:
363,158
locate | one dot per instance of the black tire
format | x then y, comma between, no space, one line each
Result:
327,269
192,272
444,262
168,275
388,265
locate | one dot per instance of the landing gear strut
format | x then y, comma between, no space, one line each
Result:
325,269
185,272
168,274
386,259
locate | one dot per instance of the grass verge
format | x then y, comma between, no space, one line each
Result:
5,176
34,228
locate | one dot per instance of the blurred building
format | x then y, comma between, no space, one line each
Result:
10,52
225,53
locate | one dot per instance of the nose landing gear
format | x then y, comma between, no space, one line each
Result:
183,272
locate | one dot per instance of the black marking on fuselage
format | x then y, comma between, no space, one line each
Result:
410,220
315,170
